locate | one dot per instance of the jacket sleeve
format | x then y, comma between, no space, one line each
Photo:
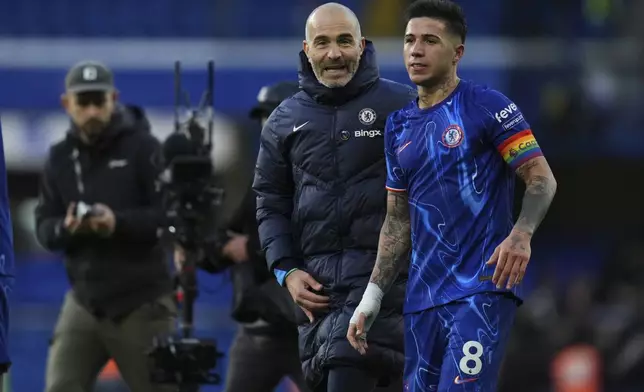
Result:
50,213
248,224
142,224
273,185
213,261
242,222
238,222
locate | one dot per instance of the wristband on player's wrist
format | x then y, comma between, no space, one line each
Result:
290,272
373,293
282,275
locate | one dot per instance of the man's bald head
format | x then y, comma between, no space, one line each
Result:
332,13
333,44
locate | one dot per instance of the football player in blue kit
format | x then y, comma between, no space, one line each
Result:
452,156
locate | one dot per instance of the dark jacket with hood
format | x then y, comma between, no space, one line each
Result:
321,201
110,276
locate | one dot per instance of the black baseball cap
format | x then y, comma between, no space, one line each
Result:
270,97
89,76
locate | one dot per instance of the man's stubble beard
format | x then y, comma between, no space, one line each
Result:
93,128
318,71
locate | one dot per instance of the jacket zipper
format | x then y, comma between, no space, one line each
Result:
336,169
78,171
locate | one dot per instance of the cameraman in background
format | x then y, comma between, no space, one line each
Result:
100,206
265,348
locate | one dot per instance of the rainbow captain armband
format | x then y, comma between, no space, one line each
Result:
520,148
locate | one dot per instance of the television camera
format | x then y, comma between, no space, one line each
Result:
191,199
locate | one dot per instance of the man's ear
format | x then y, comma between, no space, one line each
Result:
363,44
460,51
64,101
305,47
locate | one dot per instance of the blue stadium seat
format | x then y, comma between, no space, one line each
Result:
157,18
116,18
254,18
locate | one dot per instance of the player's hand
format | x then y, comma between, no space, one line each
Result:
511,258
71,223
102,220
300,284
360,323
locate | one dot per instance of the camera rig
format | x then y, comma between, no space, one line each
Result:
191,199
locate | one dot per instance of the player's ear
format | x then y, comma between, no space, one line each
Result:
458,53
305,47
363,44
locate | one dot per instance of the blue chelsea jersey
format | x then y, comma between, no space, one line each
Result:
456,162
6,256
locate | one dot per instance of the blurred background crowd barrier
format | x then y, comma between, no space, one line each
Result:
574,67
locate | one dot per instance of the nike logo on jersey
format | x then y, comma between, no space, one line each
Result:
297,128
458,380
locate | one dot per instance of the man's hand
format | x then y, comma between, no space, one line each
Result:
73,224
179,257
235,249
102,221
511,258
363,318
299,284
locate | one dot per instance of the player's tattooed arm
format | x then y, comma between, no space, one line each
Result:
395,241
540,190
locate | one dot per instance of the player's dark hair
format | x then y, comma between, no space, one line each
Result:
445,10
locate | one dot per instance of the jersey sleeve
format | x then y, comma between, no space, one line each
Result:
396,181
507,129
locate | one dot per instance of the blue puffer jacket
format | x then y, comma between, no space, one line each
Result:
320,184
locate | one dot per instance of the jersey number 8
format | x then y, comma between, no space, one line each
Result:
472,353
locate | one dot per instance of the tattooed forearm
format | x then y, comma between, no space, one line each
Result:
540,190
395,241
